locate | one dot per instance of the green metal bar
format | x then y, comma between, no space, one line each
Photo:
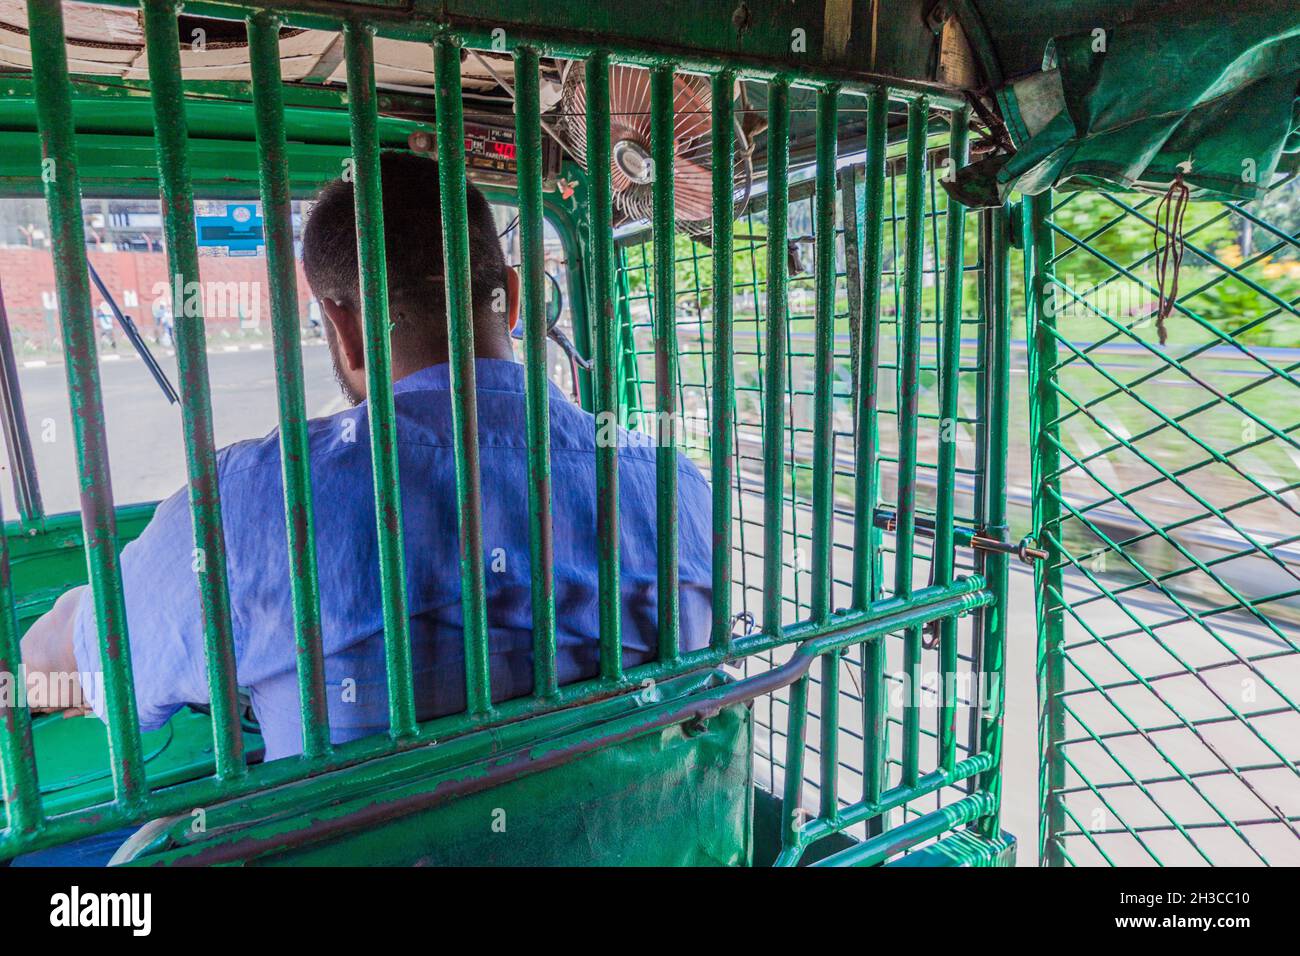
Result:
528,136
662,144
823,368
830,737
866,537
851,209
722,461
966,594
460,340
572,221
774,378
363,113
162,46
18,781
926,605
99,528
996,565
954,263
823,439
925,827
602,288
894,797
629,375
295,450
909,390
792,812
850,200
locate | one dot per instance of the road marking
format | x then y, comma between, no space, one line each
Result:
212,350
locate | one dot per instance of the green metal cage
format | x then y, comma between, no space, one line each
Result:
794,631
865,737
839,356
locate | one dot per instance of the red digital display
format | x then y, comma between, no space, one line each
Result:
490,149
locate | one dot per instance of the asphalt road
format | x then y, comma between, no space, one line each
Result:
146,453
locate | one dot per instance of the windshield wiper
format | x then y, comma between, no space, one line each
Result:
133,336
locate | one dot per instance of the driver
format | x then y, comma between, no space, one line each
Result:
159,569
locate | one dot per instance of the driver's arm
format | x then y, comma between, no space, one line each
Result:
48,658
164,621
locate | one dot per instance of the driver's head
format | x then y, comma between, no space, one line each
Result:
416,290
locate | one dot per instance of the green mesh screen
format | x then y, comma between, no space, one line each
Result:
1175,675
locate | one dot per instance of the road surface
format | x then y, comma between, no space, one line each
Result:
146,453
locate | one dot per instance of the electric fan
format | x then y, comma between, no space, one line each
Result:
631,169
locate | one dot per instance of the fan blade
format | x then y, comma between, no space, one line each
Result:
630,123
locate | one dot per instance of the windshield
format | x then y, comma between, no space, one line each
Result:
124,245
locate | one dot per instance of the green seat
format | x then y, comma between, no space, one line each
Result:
678,795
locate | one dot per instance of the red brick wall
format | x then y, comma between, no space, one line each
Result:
27,273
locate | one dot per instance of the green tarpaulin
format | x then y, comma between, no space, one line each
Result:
1207,90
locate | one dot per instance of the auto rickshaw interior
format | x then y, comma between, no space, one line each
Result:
822,242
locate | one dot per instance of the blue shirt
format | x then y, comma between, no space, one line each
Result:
161,586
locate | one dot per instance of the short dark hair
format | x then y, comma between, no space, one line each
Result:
413,243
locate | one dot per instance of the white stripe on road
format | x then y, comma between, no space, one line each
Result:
169,353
